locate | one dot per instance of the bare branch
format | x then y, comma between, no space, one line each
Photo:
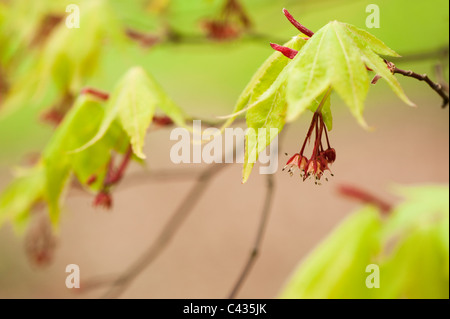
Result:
259,237
438,88
439,70
119,285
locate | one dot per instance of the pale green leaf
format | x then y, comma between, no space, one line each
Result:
132,104
423,205
337,56
377,64
417,268
266,115
77,128
337,268
22,194
309,77
265,77
371,41
348,74
165,103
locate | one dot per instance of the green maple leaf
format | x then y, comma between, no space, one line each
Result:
22,194
264,101
78,127
336,268
132,105
68,57
337,56
410,246
264,78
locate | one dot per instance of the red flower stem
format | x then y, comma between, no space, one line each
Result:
317,114
322,103
162,120
117,175
110,172
365,197
316,142
99,94
316,146
326,132
308,135
297,24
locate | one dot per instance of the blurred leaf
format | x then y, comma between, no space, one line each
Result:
72,55
77,128
423,205
416,268
373,43
22,194
69,56
337,267
158,6
410,246
132,104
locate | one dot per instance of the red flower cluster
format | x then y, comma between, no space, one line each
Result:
320,159
103,199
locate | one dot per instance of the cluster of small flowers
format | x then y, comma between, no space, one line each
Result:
321,158
316,166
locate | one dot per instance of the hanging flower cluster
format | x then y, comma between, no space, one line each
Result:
320,159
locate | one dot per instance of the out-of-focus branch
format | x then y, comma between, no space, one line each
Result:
270,185
119,285
439,70
259,237
439,53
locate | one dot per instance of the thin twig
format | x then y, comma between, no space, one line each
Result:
259,237
167,233
438,88
439,70
270,184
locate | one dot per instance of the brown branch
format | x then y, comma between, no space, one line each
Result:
119,285
259,238
438,88
439,70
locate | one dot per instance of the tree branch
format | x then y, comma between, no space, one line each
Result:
259,237
438,88
120,284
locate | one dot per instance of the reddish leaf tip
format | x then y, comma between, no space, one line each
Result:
99,94
297,24
287,52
